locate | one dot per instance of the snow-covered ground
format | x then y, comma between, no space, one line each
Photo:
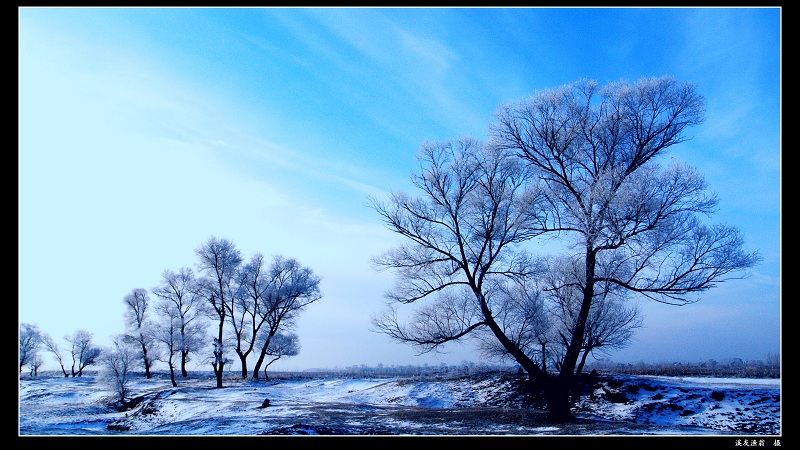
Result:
486,404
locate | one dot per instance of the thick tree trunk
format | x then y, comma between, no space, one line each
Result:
184,357
243,359
218,372
557,396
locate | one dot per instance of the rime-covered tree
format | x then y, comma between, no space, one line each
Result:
632,222
218,261
51,346
579,164
83,351
36,363
117,364
30,340
291,287
179,292
252,280
168,332
137,321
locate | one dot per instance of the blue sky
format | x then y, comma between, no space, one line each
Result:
144,131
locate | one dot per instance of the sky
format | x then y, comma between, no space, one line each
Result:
143,132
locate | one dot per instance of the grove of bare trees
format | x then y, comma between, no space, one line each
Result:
255,299
572,175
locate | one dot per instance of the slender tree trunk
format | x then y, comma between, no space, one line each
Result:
261,356
146,359
544,357
582,364
219,361
172,371
184,352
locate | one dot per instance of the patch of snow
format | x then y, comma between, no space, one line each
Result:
483,405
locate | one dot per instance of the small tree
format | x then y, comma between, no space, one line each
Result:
35,364
117,367
138,323
219,260
252,283
53,348
180,292
168,333
291,288
83,352
30,340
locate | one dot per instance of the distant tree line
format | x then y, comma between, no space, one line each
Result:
426,371
251,305
770,367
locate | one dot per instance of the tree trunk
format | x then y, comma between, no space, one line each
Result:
260,360
218,372
146,359
219,361
261,357
184,356
581,364
544,357
557,396
172,372
243,359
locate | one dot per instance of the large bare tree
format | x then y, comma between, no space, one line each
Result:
218,260
179,294
578,163
630,221
140,330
